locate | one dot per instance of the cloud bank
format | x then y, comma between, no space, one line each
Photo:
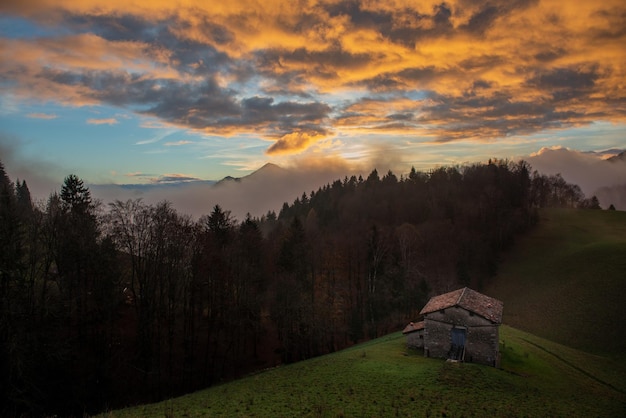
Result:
263,191
591,171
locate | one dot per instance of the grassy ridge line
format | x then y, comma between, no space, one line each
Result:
609,385
380,378
565,280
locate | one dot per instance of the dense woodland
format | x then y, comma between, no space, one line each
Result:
103,306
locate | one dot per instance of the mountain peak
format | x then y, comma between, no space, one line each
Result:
268,169
619,157
269,166
228,179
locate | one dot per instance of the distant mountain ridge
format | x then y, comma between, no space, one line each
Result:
227,180
263,190
271,185
269,169
619,157
612,152
149,186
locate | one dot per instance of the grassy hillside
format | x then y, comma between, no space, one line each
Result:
566,280
380,378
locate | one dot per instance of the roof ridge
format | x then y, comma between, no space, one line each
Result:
461,296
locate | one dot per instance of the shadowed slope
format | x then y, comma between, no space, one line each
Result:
565,280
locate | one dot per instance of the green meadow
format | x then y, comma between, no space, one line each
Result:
381,378
562,287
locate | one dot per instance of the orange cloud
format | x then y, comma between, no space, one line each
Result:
107,121
136,174
294,142
42,116
177,143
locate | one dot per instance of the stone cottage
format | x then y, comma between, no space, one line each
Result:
463,325
414,334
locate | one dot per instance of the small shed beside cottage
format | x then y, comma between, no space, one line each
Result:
414,332
463,325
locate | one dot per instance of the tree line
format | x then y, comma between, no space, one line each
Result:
103,306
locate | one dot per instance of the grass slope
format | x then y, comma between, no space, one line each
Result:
566,280
379,378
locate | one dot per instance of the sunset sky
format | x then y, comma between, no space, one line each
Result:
123,91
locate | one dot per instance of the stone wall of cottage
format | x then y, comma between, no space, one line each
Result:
415,339
481,341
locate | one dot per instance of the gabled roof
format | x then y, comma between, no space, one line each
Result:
413,326
468,299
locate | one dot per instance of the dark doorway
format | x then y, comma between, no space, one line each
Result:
458,344
458,337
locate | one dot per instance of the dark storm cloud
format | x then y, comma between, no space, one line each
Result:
493,117
263,109
383,82
420,77
483,19
471,115
405,26
615,27
566,84
359,16
288,85
126,27
410,27
394,126
207,107
488,12
419,74
184,54
160,32
481,84
197,58
482,62
201,106
564,78
549,54
485,111
319,64
217,33
407,78
442,15
122,88
400,116
197,106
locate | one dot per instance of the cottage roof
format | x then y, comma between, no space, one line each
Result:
468,299
413,326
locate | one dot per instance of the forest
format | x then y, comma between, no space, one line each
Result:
108,305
